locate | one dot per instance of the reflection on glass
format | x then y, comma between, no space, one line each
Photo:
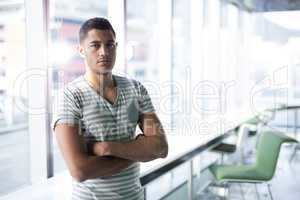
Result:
142,39
181,63
143,45
64,60
172,185
14,145
273,55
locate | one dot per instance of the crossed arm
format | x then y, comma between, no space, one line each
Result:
151,145
83,166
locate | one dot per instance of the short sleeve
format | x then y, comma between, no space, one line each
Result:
66,109
144,101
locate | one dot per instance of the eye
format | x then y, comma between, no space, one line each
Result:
110,45
95,46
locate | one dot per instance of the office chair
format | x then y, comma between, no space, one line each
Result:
262,170
250,127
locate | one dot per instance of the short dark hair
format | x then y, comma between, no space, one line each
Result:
99,23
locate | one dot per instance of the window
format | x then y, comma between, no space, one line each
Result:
142,39
65,62
181,64
14,146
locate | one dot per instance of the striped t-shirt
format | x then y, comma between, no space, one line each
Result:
100,120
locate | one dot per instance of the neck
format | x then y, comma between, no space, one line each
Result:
100,82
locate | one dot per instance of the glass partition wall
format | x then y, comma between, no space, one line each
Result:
203,62
65,62
14,145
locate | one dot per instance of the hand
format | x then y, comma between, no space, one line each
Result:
101,148
90,147
139,136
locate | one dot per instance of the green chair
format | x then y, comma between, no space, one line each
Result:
262,170
242,132
237,148
259,120
250,127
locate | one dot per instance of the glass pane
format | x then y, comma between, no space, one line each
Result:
142,52
65,62
172,185
142,39
274,54
229,57
201,174
14,146
181,63
211,62
263,55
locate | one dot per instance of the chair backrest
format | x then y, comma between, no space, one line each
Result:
242,135
242,145
268,149
260,120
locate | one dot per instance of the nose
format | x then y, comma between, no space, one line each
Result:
103,51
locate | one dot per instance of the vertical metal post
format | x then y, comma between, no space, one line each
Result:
190,180
256,191
117,16
36,19
270,192
145,193
295,121
48,89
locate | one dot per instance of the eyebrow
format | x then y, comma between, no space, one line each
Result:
97,41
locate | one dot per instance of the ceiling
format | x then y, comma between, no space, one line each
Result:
267,5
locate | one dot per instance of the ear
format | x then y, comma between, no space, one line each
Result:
80,50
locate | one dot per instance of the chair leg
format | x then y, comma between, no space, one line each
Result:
228,193
256,191
222,158
269,189
224,195
242,192
218,190
225,186
294,152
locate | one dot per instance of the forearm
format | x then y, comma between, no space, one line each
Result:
143,149
81,165
91,167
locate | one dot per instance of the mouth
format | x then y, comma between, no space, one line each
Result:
104,61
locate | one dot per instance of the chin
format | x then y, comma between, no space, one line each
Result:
104,70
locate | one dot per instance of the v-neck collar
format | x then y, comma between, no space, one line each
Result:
101,97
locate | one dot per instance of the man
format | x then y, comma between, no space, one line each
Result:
103,110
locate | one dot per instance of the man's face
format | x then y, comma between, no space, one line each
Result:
99,50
